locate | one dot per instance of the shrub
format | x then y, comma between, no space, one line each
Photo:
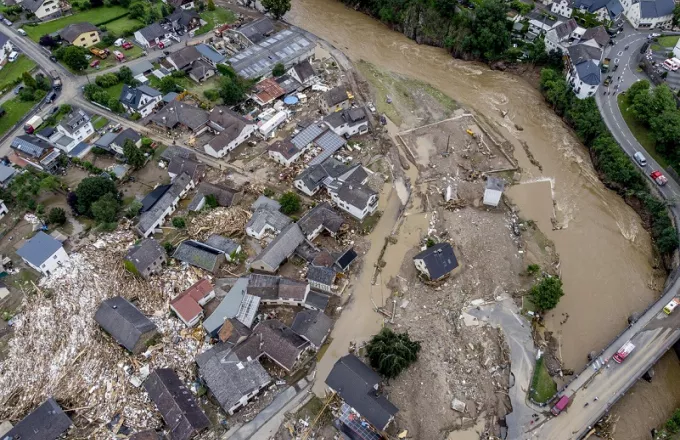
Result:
56,216
533,269
211,201
391,353
179,222
290,203
547,293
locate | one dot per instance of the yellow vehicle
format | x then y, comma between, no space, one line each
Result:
101,53
671,306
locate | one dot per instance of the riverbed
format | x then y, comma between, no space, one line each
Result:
606,255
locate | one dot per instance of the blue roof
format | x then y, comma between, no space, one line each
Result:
79,149
615,8
210,53
590,5
39,248
589,72
656,8
3,39
170,97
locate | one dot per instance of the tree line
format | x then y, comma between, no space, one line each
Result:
615,168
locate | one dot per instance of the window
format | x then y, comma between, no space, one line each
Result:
82,39
54,256
93,34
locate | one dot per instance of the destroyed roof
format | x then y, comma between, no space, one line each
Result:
321,275
227,377
153,31
227,122
495,183
277,341
314,175
268,90
597,33
321,215
158,208
282,246
264,202
46,422
74,30
183,16
312,325
285,148
39,248
176,403
335,96
209,53
304,70
439,259
257,30
318,300
264,286
197,254
193,168
263,217
232,331
174,150
123,321
287,83
223,194
355,383
224,244
323,258
176,113
145,253
237,303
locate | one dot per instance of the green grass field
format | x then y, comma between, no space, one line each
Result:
122,24
114,91
641,133
12,71
543,387
94,16
111,61
100,122
669,41
15,109
219,16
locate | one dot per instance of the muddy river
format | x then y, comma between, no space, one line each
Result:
605,254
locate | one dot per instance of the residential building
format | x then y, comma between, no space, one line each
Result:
176,403
158,205
140,99
7,173
266,221
436,261
336,99
114,142
348,122
189,165
321,278
287,47
224,195
303,72
177,115
583,68
225,245
80,34
276,290
275,340
147,258
237,304
540,23
313,178
351,194
231,381
151,35
359,387
604,10
253,32
147,435
266,91
264,202
43,253
285,152
47,422
44,10
231,131
561,7
184,20
126,324
319,218
279,250
200,255
598,34
210,55
183,4
5,48
493,191
561,36
60,140
36,152
649,14
313,326
233,332
188,305
77,125
344,259
183,58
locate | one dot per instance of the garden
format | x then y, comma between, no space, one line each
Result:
97,16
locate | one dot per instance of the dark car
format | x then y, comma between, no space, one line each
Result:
18,89
54,110
53,58
2,112
51,97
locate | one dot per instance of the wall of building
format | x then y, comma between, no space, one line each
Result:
357,212
87,39
301,186
52,263
49,9
581,89
242,137
319,286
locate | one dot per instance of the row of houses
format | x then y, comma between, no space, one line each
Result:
642,14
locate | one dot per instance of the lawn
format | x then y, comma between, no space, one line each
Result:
199,88
111,61
15,109
115,91
669,40
121,25
543,387
12,71
100,122
94,16
214,18
641,133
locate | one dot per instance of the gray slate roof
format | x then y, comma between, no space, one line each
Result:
123,321
6,173
184,57
153,31
304,70
190,166
583,52
353,116
257,30
229,378
176,403
30,145
209,53
263,217
335,96
231,307
39,248
282,246
183,17
145,253
318,300
197,254
132,96
355,194
176,113
589,72
228,123
321,215
264,202
276,340
74,120
72,31
597,33
439,259
46,422
354,382
321,274
314,175
224,244
312,325
141,67
656,8
563,30
153,213
615,8
224,195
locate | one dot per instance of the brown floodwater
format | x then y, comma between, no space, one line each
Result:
605,254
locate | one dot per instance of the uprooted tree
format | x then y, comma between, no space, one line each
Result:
391,353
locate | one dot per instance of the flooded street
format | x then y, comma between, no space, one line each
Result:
606,255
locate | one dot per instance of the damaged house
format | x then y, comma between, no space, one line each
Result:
178,115
224,196
266,221
351,194
313,326
199,255
436,261
236,304
231,130
146,258
275,340
321,278
276,290
161,203
36,152
320,218
188,59
126,324
279,250
43,253
47,422
188,305
348,122
336,99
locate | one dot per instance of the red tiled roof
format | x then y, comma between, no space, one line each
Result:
268,90
186,304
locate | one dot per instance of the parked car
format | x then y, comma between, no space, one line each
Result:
371,107
119,42
166,52
655,35
7,22
54,110
127,45
53,58
21,32
18,89
640,159
94,63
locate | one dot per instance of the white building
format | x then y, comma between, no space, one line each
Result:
561,36
265,221
649,14
584,68
5,48
43,253
77,125
352,195
561,7
43,9
3,209
232,130
140,99
348,122
285,152
493,191
162,203
268,128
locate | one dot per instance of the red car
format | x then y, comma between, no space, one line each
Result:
659,178
127,45
94,63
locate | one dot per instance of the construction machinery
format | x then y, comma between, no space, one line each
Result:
99,53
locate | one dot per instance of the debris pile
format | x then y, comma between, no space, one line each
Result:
223,221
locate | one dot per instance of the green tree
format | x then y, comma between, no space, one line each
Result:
56,216
290,202
277,8
490,31
211,5
391,353
28,80
278,70
211,201
74,57
638,87
676,15
104,210
133,155
556,90
165,11
663,99
179,222
167,84
231,91
666,131
137,11
133,209
642,108
90,190
547,293
125,75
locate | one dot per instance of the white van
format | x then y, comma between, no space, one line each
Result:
13,56
21,32
640,159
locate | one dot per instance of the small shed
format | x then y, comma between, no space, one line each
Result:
493,191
